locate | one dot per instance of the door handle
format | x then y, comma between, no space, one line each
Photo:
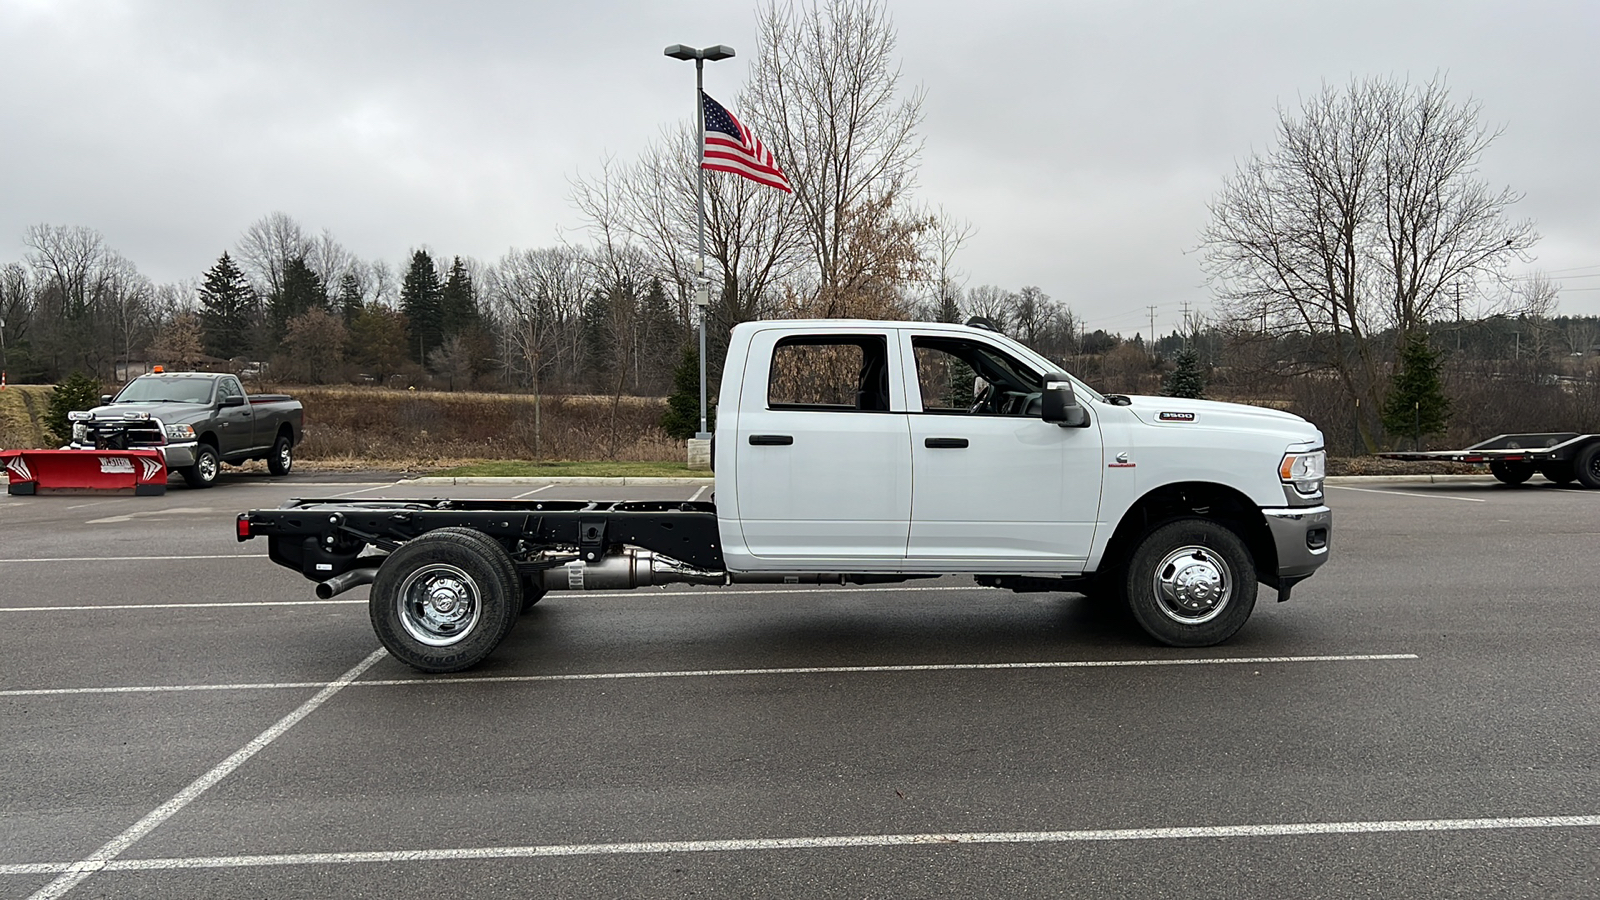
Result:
771,440
945,443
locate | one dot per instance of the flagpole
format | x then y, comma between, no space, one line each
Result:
702,284
702,290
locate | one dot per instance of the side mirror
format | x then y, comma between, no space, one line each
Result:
104,399
1059,405
233,400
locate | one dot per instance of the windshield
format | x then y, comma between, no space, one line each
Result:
156,389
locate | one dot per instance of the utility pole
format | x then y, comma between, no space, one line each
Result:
1152,329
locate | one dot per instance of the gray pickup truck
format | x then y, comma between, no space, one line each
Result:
197,420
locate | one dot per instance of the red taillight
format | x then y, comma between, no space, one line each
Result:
244,526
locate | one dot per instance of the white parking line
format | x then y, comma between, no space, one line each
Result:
1341,487
218,605
73,874
364,490
1198,832
534,491
713,673
60,559
697,494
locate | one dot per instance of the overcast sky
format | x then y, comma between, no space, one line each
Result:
1083,140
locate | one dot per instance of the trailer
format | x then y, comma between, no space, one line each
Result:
1560,456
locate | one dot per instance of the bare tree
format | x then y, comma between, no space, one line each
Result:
943,239
537,295
268,246
1360,224
92,302
824,92
179,343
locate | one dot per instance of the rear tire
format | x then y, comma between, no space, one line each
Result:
1587,466
1191,583
1510,472
207,464
1559,472
282,458
443,601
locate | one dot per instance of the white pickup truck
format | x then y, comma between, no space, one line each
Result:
864,452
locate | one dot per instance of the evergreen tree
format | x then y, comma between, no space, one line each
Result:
378,341
227,309
77,392
660,337
682,418
421,299
597,348
1416,404
349,298
1187,379
458,302
302,292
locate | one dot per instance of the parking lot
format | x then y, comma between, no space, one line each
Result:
181,717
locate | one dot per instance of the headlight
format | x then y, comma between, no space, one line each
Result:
80,415
80,432
180,432
1304,470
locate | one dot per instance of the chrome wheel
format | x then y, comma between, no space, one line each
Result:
1193,585
439,605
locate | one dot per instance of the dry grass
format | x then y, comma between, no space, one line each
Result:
433,429
22,410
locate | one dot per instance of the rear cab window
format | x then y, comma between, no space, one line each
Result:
830,373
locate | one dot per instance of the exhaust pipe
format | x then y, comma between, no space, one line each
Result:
629,569
338,584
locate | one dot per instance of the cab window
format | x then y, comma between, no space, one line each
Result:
832,373
958,376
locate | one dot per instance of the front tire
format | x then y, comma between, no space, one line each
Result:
207,464
443,601
1191,583
282,458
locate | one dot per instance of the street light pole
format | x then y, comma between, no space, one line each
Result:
702,291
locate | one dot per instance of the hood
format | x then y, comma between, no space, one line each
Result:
169,412
1178,412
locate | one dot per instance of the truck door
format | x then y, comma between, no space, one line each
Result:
235,424
823,459
991,481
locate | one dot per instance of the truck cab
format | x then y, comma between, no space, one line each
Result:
925,448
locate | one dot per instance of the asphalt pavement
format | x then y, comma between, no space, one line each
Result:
180,717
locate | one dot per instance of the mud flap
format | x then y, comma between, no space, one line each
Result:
32,471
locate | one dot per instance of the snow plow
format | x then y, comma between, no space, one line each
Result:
33,471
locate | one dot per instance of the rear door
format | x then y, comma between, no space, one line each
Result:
823,456
993,483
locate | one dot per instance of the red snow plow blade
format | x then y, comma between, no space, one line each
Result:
32,471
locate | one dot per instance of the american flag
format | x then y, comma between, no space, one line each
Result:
730,147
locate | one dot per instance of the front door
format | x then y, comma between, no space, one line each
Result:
823,456
235,424
991,481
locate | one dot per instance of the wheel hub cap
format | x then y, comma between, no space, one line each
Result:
439,605
1193,585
